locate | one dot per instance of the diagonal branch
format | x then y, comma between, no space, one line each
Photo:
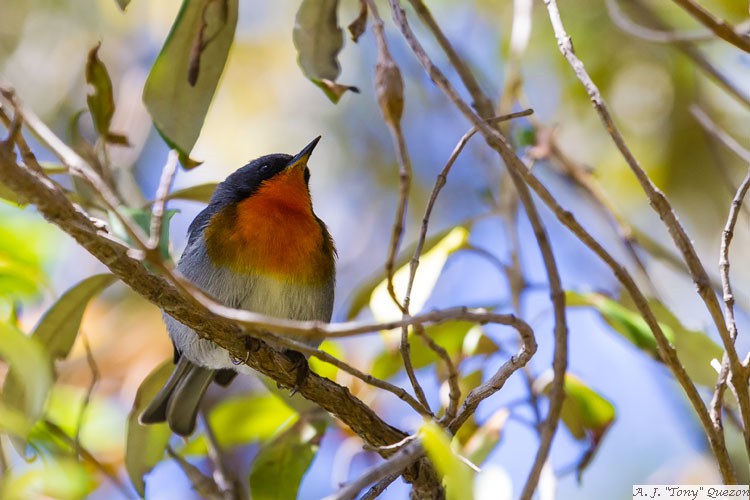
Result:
661,205
716,24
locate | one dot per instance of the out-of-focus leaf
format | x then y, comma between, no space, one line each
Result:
281,464
457,476
58,328
26,243
493,483
101,101
624,321
448,335
63,478
586,413
30,377
146,444
389,85
525,136
9,195
123,4
184,77
201,193
695,349
318,40
242,419
142,217
14,422
430,266
486,437
103,423
361,297
359,25
323,369
476,343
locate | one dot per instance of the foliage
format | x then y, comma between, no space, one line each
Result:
65,424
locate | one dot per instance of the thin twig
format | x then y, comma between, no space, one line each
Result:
626,24
661,205
160,200
87,398
205,486
501,145
719,26
379,487
666,350
223,476
391,467
726,240
389,87
700,61
89,458
715,130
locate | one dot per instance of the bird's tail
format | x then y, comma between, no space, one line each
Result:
178,401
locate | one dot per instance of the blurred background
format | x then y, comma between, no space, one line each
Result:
264,104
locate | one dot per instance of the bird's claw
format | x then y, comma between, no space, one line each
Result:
301,369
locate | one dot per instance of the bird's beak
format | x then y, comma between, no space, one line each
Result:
301,159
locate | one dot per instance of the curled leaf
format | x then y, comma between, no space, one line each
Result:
587,414
358,26
101,101
186,73
318,40
389,86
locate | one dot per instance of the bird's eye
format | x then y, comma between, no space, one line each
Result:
264,169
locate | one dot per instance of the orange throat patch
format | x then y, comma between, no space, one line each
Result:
273,233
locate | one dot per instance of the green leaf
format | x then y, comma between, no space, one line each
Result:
201,193
280,465
184,77
318,40
479,446
430,266
695,349
146,444
14,422
58,328
361,296
449,335
101,101
624,321
585,413
30,377
239,420
322,368
62,478
457,476
9,195
142,218
103,423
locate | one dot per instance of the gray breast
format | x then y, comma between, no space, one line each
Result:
262,294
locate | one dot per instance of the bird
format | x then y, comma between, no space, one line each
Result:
258,246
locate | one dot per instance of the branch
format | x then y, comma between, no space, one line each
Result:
516,170
741,383
719,26
660,204
666,350
689,50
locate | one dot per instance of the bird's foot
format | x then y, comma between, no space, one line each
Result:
301,369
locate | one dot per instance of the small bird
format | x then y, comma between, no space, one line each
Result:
258,246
